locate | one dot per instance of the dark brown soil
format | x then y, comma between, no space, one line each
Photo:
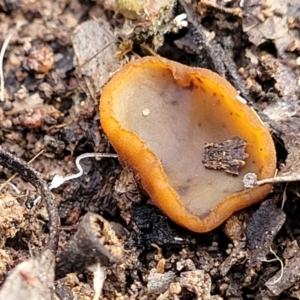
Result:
54,69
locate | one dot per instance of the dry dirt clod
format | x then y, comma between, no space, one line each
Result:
17,165
34,118
158,283
198,282
5,263
40,60
12,217
234,228
45,90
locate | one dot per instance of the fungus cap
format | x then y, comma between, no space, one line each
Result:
159,115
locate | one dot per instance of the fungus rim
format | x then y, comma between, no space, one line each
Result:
161,193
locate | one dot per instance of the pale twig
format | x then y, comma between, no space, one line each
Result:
284,197
279,179
14,188
2,52
250,179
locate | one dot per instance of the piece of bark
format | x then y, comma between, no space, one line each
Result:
262,229
229,155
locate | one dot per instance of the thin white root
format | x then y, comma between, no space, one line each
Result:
59,180
281,266
2,52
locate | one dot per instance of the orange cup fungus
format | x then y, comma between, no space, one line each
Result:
160,115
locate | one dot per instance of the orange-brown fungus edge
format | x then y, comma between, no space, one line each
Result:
134,152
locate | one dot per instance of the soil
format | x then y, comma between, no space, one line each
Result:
59,56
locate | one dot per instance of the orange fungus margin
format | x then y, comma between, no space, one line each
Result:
158,115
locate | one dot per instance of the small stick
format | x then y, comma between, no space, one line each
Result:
288,178
16,174
250,179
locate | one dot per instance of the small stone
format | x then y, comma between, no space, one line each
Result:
146,112
40,60
159,283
